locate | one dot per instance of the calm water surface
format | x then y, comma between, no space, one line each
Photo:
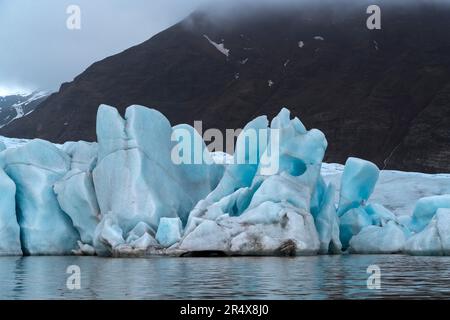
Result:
318,277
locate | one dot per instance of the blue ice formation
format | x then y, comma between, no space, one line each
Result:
434,239
9,228
44,227
139,190
253,213
357,184
389,238
75,190
327,223
351,223
425,210
134,156
169,231
366,227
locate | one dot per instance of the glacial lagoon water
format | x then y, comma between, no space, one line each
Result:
317,277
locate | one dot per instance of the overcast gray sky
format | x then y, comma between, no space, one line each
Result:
37,51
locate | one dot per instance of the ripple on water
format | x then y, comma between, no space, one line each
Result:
317,277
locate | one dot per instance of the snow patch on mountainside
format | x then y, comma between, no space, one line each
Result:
244,61
23,105
375,44
219,46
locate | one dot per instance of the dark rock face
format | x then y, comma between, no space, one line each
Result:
382,95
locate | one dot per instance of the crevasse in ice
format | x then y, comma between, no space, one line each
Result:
133,193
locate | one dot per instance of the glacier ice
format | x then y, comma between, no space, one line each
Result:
9,228
34,168
146,187
425,210
75,190
357,184
396,190
83,155
135,178
434,239
270,228
327,224
389,238
207,236
256,213
169,231
379,214
384,234
351,223
238,175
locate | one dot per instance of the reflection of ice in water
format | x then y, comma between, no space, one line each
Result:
316,277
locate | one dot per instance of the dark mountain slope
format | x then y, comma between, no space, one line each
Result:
382,95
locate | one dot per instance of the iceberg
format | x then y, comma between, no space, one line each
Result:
351,223
35,167
425,210
357,184
434,239
148,188
9,228
241,173
135,178
379,214
207,236
268,229
83,155
389,238
169,231
252,212
75,191
385,234
327,224
76,196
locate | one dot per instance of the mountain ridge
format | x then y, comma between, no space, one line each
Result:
13,107
383,95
